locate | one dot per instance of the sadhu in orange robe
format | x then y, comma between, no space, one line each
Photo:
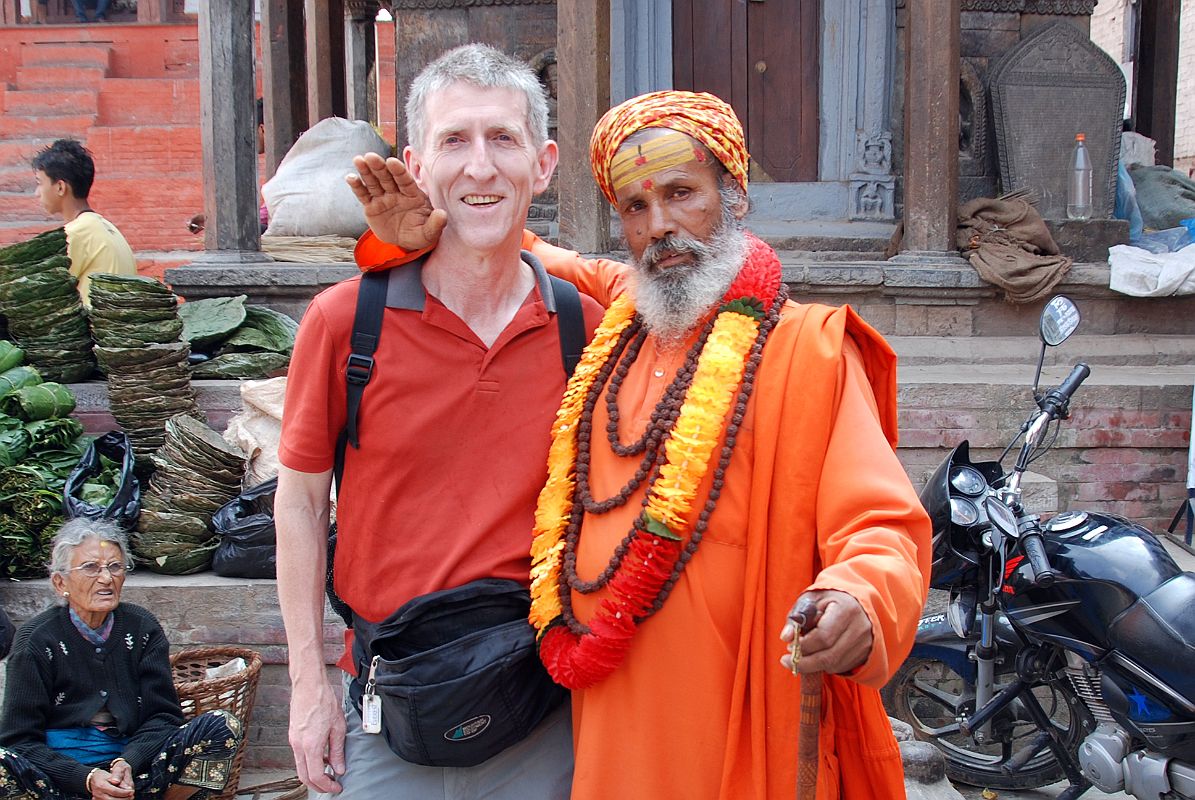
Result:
814,497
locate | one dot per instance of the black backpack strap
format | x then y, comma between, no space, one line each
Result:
571,321
367,329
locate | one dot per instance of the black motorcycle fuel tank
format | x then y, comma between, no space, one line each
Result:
1106,563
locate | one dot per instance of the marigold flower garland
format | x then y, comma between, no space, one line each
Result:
580,659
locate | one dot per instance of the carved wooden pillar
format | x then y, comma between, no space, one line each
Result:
228,130
360,55
583,70
284,84
931,130
1157,78
325,59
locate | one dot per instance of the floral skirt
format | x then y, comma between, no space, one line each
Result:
197,754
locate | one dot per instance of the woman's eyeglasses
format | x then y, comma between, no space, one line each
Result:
92,569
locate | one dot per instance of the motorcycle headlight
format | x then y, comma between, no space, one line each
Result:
963,512
968,481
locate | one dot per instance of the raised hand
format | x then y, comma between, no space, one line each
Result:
397,210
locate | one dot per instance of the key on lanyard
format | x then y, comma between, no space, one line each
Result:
371,704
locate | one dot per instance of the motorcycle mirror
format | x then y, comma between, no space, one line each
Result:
1059,319
1001,516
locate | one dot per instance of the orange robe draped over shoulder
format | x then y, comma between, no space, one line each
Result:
814,497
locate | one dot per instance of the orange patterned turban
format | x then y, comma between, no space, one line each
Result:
703,116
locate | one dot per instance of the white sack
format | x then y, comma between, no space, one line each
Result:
307,195
1144,274
258,428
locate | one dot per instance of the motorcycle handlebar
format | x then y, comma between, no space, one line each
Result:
1055,403
1042,574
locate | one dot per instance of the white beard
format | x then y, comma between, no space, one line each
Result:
673,300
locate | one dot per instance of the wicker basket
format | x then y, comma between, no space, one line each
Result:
235,693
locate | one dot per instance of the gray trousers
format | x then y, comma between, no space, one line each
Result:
538,768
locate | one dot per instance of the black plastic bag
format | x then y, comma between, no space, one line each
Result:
248,545
125,506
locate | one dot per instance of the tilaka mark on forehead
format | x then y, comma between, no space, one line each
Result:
636,163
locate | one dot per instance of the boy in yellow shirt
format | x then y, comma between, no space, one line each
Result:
65,172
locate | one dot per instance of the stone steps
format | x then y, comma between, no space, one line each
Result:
1138,350
54,54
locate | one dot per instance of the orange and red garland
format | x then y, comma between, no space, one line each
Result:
576,655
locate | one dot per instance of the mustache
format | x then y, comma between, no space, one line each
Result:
673,245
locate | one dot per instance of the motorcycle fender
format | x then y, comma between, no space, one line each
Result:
937,641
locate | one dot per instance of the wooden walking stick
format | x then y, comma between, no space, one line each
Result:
805,616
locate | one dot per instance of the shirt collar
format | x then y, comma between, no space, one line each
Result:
404,288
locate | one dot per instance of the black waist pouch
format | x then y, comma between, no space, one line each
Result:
458,674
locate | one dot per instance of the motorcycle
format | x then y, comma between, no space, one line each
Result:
1067,647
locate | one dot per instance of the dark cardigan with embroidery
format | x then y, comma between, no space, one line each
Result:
58,679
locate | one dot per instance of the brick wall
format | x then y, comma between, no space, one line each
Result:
1124,451
145,135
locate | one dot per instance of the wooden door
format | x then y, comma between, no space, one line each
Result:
761,56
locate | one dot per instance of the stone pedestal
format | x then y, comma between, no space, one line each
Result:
1088,240
284,287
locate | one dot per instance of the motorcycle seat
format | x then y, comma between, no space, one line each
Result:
1158,632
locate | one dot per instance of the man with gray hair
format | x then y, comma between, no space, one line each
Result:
454,432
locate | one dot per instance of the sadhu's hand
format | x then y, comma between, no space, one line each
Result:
396,209
839,642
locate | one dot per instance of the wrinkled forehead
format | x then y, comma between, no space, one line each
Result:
93,549
652,150
463,101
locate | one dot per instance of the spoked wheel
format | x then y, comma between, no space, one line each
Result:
930,696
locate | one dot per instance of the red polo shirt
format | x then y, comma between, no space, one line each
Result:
454,439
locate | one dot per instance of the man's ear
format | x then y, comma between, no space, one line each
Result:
414,165
545,162
742,205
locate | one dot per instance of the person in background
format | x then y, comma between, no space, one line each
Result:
65,172
101,10
90,707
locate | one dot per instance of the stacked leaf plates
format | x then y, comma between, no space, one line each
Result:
196,472
136,327
45,316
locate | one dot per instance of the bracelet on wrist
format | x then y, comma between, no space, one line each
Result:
90,775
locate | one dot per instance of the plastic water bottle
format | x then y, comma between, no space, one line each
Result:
1078,195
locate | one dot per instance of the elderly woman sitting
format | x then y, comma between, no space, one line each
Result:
89,705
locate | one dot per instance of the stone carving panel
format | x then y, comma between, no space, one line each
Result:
872,185
973,122
1057,7
432,5
1052,85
